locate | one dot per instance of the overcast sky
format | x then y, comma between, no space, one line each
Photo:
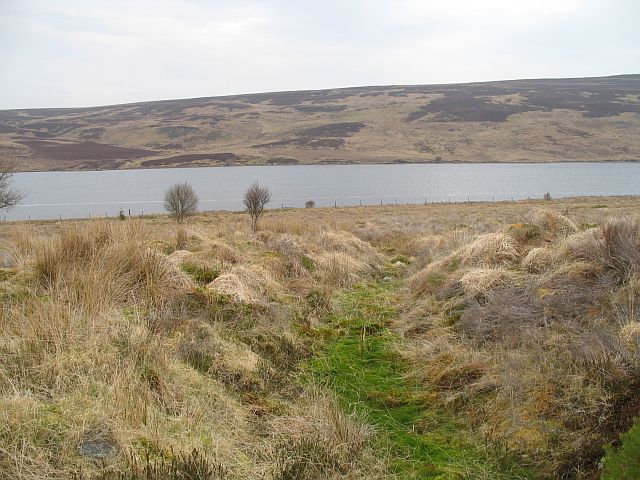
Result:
67,53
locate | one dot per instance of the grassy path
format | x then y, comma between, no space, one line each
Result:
360,364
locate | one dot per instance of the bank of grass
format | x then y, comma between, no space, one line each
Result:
361,364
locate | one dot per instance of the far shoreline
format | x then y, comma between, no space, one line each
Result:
322,164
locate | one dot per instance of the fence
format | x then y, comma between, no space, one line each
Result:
19,214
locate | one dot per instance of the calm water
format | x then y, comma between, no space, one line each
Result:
96,194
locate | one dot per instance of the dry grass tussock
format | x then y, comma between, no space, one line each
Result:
105,340
94,267
490,250
538,344
323,441
247,283
553,223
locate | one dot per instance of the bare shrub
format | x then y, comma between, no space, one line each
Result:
9,197
310,204
180,200
255,199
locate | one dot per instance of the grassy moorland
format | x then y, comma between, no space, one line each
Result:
543,120
455,341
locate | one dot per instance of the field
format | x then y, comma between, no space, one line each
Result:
444,341
584,119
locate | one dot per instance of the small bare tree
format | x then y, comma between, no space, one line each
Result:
180,201
310,204
9,197
255,198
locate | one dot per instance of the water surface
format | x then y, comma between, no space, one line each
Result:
96,194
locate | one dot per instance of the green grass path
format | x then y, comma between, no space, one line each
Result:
360,363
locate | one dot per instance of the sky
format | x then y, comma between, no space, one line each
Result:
74,53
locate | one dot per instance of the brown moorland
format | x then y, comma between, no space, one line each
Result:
578,119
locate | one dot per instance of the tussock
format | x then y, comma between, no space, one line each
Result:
479,281
490,250
224,252
434,275
324,442
585,245
341,269
553,223
551,339
247,283
102,264
630,335
349,244
180,256
541,259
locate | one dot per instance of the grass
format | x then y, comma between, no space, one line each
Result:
623,463
434,373
362,366
200,274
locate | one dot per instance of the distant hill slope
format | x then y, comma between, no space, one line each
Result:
509,121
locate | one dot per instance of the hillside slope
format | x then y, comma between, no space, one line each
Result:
587,119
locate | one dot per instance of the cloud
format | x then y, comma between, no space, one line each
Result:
76,53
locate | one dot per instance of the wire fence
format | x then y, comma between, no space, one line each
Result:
342,202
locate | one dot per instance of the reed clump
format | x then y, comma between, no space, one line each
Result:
108,343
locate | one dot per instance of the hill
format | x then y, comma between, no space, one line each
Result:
583,119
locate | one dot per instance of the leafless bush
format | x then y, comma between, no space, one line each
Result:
180,201
9,197
255,199
310,204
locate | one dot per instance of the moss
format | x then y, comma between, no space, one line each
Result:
524,232
453,314
587,226
308,264
201,275
623,463
401,259
6,274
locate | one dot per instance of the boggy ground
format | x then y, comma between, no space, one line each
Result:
440,341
